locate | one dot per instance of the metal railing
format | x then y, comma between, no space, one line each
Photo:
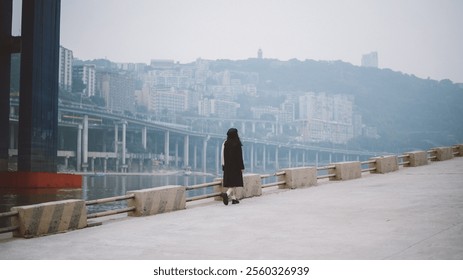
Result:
200,186
456,150
432,154
273,184
403,160
9,228
369,163
328,167
110,212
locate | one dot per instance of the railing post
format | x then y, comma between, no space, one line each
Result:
48,218
386,164
346,170
157,200
299,177
444,153
460,150
252,187
417,158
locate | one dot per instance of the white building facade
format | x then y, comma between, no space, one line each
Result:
65,69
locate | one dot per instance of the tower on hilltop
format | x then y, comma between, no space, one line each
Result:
370,60
259,54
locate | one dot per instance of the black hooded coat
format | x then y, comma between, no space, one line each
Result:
233,161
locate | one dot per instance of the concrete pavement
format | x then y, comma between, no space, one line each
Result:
414,213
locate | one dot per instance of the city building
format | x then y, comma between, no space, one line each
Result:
370,60
87,74
162,63
168,101
265,113
117,89
326,118
65,69
218,108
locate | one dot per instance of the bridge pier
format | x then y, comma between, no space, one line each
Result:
204,158
218,158
166,147
252,157
124,144
186,147
38,105
85,143
6,49
143,137
277,166
264,158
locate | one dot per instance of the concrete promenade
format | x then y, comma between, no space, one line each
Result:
413,213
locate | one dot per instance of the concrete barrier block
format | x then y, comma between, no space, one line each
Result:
299,177
417,158
49,218
346,170
218,189
385,164
252,186
459,149
157,200
444,153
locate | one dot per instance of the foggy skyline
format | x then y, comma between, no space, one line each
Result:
410,36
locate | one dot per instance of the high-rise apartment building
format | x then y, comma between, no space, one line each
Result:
370,60
324,117
87,74
65,69
168,101
117,89
218,108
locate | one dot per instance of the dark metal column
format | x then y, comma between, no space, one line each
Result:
6,11
38,112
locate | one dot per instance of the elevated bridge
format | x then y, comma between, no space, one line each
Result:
95,139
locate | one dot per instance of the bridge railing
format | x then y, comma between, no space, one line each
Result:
273,184
201,186
403,160
282,179
8,215
109,200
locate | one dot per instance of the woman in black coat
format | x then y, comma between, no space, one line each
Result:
232,165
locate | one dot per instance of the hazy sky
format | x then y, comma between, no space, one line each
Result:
421,37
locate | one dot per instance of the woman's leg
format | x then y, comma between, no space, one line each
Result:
231,193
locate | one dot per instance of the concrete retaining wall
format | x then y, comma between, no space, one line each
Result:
157,200
298,177
385,164
346,170
48,218
444,153
417,158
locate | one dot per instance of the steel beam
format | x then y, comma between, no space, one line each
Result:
38,112
6,16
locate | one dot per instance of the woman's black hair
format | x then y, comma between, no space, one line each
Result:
232,136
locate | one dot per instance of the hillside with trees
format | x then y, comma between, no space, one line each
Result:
409,112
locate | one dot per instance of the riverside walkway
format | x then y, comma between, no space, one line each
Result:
413,213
